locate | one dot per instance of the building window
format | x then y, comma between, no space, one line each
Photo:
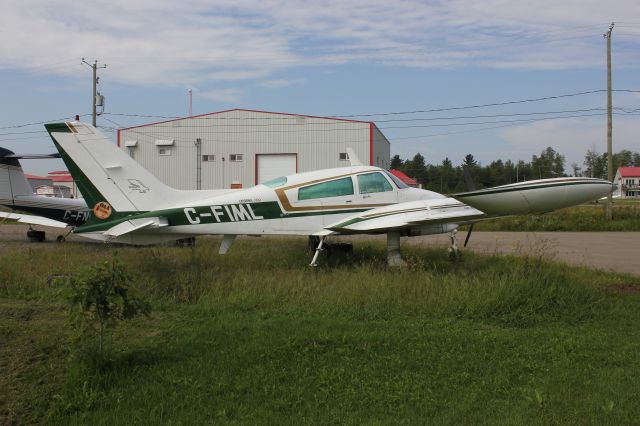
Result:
344,156
164,151
208,157
334,188
235,158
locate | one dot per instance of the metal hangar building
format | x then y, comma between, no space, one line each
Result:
241,148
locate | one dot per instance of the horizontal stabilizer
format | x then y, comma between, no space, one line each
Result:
31,156
135,225
33,220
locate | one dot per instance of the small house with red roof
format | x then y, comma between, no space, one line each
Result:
404,178
55,184
628,181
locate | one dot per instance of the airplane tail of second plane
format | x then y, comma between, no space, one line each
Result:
13,182
110,180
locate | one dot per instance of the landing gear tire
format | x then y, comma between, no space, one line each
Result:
186,242
61,239
35,236
454,254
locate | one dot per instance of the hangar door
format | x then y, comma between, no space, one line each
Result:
271,166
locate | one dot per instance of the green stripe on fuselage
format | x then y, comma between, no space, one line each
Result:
521,188
213,214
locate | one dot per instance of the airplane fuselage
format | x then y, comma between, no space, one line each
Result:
73,212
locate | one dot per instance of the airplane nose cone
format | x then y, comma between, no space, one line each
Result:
614,187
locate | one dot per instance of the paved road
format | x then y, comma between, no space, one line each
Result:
614,251
611,251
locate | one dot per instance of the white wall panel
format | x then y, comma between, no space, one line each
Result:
317,142
271,166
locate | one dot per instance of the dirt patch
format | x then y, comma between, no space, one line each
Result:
629,288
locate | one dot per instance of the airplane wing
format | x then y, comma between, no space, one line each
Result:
407,215
33,220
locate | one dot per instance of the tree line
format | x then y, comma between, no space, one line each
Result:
446,178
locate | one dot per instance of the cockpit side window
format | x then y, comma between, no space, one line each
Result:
373,182
332,188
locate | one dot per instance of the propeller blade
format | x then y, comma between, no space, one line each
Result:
467,179
466,240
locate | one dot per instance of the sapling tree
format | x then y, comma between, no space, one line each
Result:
100,297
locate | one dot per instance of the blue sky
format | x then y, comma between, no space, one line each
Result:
332,58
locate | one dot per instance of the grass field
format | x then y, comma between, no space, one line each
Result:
257,336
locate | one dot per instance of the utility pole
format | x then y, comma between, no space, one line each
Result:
607,35
94,99
198,144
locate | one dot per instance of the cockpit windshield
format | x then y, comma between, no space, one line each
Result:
400,184
275,183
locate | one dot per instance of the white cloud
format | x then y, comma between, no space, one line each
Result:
280,83
188,42
572,137
229,95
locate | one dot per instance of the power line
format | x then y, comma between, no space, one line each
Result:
422,111
546,98
17,126
622,112
402,120
509,123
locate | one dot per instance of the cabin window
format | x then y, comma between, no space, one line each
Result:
164,151
333,188
373,182
237,158
208,157
343,156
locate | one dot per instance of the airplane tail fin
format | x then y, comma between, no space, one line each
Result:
13,182
110,180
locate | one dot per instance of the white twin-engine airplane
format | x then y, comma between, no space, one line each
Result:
132,206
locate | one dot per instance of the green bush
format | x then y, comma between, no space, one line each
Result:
100,297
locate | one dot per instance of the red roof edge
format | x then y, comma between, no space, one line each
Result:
629,171
245,110
28,176
404,178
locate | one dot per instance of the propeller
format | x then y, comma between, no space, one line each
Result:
466,240
470,187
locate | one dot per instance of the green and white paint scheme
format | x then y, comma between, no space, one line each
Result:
132,206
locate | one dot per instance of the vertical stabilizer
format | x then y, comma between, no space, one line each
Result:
109,179
12,179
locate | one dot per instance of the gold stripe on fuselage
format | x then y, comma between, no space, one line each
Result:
286,204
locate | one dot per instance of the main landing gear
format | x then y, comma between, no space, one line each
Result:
314,261
35,236
318,244
394,258
454,252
